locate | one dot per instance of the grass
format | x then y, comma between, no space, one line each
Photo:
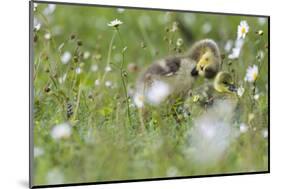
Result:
111,139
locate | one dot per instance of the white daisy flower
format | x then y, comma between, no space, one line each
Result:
139,100
61,131
240,91
243,128
252,73
97,82
239,43
237,49
235,53
108,84
36,21
94,67
65,58
243,29
256,96
78,70
213,133
37,26
107,69
47,36
86,55
115,23
35,5
158,92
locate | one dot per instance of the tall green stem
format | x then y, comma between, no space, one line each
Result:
123,80
108,55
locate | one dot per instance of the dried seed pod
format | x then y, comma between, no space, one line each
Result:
47,89
133,68
35,38
47,70
45,56
90,96
125,74
79,43
69,110
75,58
72,36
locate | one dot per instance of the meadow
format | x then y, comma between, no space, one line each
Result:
84,75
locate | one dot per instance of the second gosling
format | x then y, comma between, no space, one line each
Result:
179,73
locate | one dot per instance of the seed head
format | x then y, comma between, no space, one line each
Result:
79,43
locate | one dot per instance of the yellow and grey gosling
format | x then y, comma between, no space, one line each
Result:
224,83
222,88
180,72
207,56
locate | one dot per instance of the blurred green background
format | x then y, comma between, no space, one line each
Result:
97,143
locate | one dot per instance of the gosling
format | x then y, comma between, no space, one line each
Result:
176,75
222,88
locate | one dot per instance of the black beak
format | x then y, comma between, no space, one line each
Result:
232,88
194,72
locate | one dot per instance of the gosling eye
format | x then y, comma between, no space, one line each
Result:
225,82
207,59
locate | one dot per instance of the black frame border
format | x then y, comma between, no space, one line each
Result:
31,145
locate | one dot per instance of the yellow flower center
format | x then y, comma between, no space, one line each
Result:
255,75
243,30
